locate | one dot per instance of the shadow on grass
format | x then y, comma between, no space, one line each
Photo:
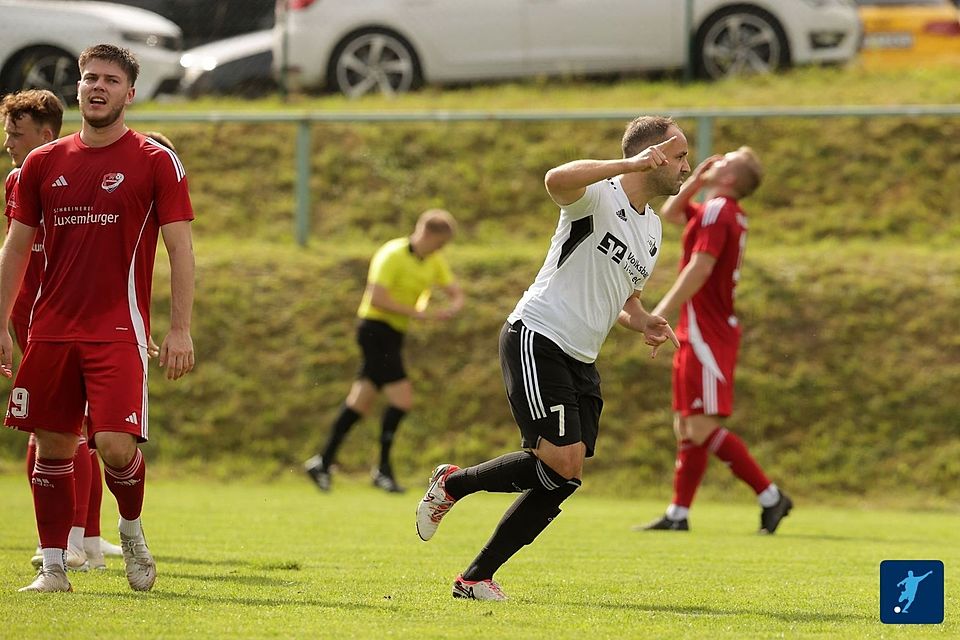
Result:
828,537
785,616
286,602
279,565
238,578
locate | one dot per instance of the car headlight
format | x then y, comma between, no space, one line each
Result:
151,39
195,61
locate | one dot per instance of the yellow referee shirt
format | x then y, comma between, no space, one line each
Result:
407,278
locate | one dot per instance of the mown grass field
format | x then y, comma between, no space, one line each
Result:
280,560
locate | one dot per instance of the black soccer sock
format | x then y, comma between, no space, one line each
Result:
345,419
391,420
526,518
510,473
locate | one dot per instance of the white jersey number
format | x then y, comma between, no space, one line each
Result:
19,402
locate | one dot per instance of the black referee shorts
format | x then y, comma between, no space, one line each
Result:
552,396
382,358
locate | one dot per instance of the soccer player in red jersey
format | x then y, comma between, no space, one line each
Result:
714,240
103,196
32,118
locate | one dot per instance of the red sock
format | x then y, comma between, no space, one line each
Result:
127,486
81,478
53,498
31,458
92,528
731,449
691,465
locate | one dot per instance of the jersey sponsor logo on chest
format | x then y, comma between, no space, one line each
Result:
618,252
111,181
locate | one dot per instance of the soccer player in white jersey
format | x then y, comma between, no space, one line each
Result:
601,255
714,241
103,197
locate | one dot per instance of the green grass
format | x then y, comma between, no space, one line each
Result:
280,560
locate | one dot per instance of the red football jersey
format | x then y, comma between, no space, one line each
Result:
101,209
31,279
717,227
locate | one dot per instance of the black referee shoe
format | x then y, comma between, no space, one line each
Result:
664,524
318,473
770,517
386,482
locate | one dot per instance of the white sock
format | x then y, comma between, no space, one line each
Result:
676,512
75,539
769,496
54,558
130,528
91,544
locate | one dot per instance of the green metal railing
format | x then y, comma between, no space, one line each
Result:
704,118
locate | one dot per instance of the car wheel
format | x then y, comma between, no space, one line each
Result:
374,61
44,68
741,41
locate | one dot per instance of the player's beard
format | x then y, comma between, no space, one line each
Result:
106,120
666,182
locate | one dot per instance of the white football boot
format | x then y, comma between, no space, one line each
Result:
49,581
141,569
477,590
436,502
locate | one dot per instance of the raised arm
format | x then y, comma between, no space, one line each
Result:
673,209
176,350
688,283
567,183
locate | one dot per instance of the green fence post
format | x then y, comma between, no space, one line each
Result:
303,181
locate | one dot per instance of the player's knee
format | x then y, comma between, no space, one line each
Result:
116,449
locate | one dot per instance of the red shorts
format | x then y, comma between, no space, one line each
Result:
57,380
703,378
20,332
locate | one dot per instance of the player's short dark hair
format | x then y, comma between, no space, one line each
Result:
644,132
43,106
112,53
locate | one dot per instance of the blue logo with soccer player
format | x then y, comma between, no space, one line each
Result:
911,592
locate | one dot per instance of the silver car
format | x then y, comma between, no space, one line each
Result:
390,46
43,38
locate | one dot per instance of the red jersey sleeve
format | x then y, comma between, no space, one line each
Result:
715,227
692,209
171,193
23,198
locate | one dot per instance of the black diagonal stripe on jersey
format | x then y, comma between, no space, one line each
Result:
579,230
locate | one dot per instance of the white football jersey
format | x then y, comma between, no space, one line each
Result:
602,251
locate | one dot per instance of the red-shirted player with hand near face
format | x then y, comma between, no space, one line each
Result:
102,196
714,240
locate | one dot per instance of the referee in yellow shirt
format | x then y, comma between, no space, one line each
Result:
403,272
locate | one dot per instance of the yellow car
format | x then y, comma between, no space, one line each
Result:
909,32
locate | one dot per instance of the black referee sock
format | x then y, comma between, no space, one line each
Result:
510,473
391,420
526,518
345,419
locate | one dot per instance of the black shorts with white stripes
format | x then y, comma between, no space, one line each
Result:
552,396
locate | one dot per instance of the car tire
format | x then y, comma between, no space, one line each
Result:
740,41
373,60
43,68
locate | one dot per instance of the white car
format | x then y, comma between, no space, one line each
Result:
41,40
358,46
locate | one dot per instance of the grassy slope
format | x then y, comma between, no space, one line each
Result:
848,289
288,564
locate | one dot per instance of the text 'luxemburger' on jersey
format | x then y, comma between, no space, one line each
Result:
101,209
602,251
